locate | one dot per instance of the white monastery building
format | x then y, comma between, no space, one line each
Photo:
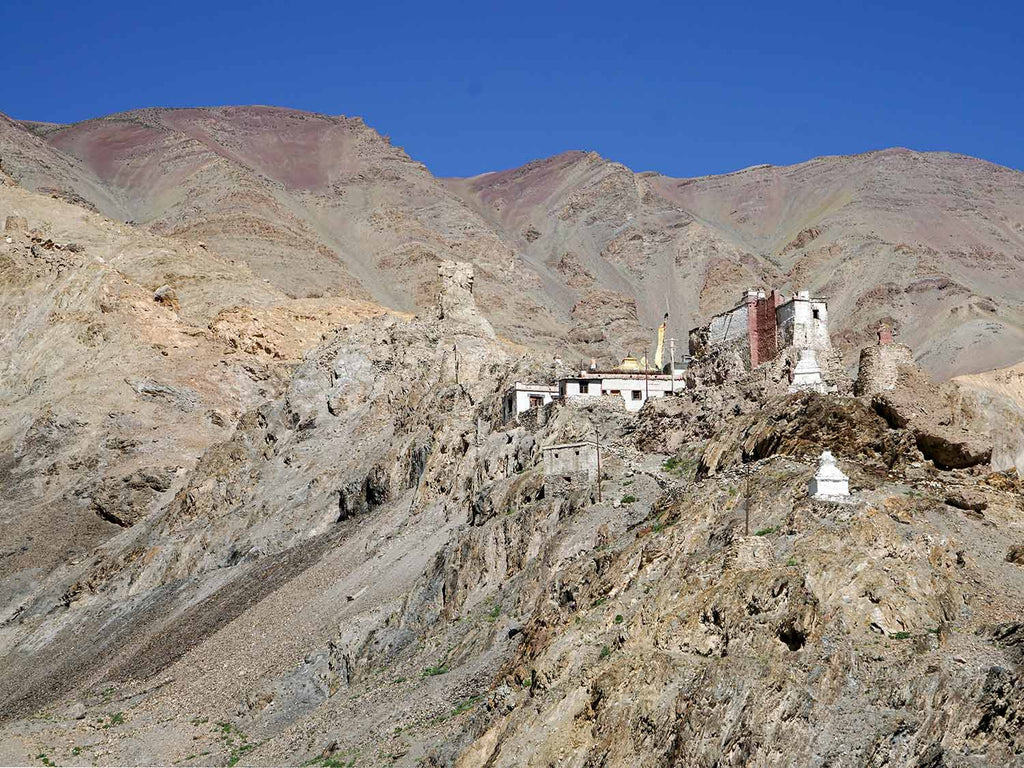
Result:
760,327
522,397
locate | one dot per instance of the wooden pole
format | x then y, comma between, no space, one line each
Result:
746,522
672,368
647,393
597,434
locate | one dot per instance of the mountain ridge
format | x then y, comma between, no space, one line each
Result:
566,245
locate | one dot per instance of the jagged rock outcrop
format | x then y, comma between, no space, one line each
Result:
455,302
803,425
943,418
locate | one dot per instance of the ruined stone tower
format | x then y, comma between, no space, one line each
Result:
880,365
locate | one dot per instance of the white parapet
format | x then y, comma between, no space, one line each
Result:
829,482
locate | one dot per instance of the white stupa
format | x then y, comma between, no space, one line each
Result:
829,482
807,374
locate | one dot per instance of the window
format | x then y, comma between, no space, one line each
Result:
816,313
536,401
637,394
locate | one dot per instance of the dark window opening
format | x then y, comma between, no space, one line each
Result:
637,394
536,401
816,313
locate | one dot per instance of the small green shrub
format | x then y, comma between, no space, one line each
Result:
767,531
465,706
618,618
900,635
791,562
628,499
605,652
440,669
679,465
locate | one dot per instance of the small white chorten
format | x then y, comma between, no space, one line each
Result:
807,374
829,482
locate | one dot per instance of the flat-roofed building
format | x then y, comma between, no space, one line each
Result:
522,396
634,387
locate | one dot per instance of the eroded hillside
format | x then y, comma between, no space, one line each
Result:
241,524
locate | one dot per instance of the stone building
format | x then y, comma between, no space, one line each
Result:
569,466
880,365
802,322
762,325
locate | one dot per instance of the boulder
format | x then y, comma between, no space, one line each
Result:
1015,554
967,501
168,297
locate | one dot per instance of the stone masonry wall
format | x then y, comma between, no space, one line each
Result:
731,326
879,368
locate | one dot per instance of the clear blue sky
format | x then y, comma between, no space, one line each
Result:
682,88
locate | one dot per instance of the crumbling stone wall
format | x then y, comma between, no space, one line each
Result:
15,224
880,366
729,327
569,484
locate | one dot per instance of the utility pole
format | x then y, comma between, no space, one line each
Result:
746,522
672,368
455,349
597,434
647,393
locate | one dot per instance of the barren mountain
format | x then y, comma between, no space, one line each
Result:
930,242
258,504
573,253
316,205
